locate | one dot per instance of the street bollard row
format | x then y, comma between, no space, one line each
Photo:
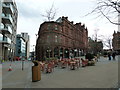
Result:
72,64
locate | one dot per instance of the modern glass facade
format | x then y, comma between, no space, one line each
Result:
27,42
8,28
20,46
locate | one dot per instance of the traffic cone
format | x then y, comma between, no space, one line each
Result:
10,68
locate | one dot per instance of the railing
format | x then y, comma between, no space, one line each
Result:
7,28
8,6
7,16
5,40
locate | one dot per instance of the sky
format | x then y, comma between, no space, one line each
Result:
29,16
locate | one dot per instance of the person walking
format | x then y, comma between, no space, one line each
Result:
10,59
113,55
109,56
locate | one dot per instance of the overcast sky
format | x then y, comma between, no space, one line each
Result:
29,16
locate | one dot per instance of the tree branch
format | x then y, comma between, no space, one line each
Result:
107,8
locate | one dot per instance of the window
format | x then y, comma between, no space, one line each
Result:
60,38
48,38
56,27
56,38
2,25
49,27
1,37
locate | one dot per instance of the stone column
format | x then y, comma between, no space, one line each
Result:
59,52
63,52
78,52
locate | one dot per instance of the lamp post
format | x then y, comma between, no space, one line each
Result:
36,43
33,51
22,64
36,36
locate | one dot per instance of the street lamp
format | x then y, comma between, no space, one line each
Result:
33,52
22,64
36,36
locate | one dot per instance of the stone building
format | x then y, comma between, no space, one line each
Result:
95,46
61,38
116,41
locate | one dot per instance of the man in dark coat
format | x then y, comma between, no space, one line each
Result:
109,56
113,55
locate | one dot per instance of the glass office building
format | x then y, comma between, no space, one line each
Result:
20,46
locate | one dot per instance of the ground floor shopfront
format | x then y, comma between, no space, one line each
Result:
58,52
6,52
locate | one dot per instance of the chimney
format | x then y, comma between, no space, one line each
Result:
66,18
72,22
62,16
80,23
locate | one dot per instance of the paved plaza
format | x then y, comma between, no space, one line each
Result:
103,75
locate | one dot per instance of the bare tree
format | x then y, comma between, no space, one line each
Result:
97,47
107,41
110,9
50,13
96,34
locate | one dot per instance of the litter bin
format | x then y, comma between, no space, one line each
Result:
36,74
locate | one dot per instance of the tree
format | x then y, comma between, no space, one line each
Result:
96,34
96,44
107,41
50,13
110,9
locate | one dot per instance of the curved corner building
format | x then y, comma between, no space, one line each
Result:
61,38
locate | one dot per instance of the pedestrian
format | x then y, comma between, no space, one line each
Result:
10,59
109,56
3,60
113,55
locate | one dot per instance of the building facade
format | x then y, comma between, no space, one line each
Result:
61,38
27,43
95,46
8,28
116,41
22,45
119,19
